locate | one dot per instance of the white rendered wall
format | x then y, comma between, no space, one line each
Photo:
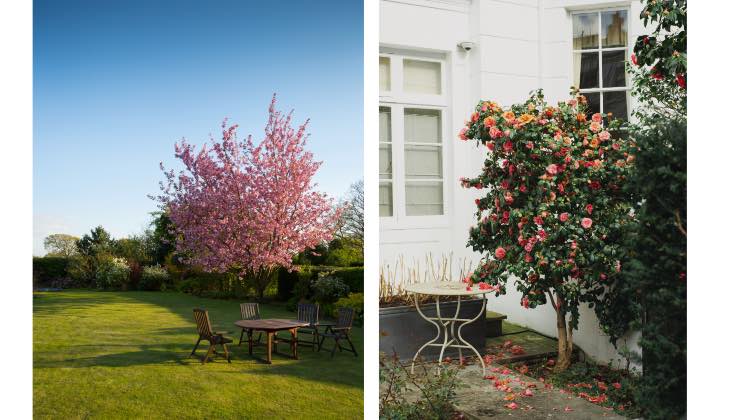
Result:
520,45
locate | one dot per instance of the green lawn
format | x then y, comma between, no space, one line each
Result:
124,355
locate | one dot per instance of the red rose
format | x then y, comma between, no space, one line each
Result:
634,59
538,220
490,145
586,222
500,253
564,217
589,208
681,80
525,302
508,146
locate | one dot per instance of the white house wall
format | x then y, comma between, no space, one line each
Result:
520,45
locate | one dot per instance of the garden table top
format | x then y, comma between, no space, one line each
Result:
446,289
270,324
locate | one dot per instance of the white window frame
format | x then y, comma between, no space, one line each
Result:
628,82
398,101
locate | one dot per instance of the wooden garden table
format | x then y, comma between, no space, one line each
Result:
442,323
271,327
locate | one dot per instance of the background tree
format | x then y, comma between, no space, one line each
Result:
248,208
554,207
97,241
60,245
161,237
352,226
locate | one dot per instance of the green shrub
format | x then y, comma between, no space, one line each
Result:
304,275
48,270
328,289
81,270
354,301
345,257
153,278
112,274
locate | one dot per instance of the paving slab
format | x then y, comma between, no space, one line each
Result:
478,398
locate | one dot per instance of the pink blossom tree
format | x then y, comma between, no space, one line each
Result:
245,207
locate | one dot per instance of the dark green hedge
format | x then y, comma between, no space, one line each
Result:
287,281
49,269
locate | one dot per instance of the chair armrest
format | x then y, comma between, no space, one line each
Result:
220,332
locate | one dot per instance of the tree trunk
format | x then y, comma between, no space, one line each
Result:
565,339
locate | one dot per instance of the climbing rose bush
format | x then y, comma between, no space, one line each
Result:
553,208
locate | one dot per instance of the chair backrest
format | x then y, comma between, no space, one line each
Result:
202,322
308,312
345,317
250,310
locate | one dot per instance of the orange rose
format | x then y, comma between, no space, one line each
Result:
509,116
526,118
595,142
581,117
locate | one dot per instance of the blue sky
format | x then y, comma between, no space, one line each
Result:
116,84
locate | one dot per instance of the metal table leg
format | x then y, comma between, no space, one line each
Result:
454,338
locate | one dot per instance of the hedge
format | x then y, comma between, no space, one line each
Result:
287,281
49,269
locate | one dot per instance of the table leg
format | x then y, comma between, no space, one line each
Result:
413,361
459,335
294,342
445,342
269,347
249,338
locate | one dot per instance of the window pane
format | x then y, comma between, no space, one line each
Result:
422,125
385,198
613,66
614,29
385,124
386,162
586,31
422,77
594,103
616,103
586,70
423,198
423,162
385,73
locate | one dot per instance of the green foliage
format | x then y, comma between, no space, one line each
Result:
438,392
49,270
162,240
81,269
345,257
665,49
154,278
651,293
60,245
112,273
296,285
97,241
354,301
340,252
328,289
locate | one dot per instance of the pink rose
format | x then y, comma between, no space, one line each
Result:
552,169
564,217
528,247
594,126
604,135
463,133
500,253
586,222
596,118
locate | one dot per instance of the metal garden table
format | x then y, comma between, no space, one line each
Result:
454,338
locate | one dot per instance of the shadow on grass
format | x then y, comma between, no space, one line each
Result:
167,345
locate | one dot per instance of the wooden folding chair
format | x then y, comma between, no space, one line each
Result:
249,311
340,331
205,332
